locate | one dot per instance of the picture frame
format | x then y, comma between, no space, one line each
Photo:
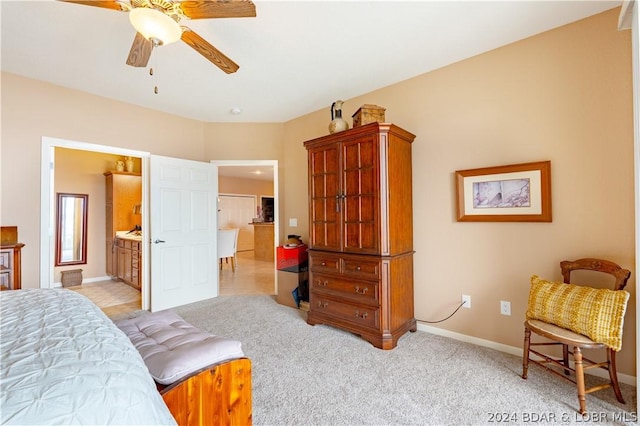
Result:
512,193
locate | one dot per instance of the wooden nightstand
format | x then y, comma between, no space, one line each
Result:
10,267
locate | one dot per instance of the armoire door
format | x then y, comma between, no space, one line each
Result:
360,195
324,198
344,195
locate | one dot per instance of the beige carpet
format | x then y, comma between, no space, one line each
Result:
319,375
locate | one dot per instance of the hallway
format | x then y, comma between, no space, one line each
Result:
251,277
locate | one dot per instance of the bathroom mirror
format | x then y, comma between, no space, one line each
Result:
71,229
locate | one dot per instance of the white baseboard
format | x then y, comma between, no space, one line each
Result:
96,279
623,378
85,281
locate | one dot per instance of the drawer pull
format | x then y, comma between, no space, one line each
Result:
358,268
323,263
361,290
323,304
361,315
322,283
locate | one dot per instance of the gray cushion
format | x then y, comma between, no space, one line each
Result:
172,348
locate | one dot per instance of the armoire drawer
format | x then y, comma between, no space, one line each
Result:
365,316
324,262
360,268
358,291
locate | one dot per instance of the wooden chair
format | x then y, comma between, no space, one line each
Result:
227,246
578,342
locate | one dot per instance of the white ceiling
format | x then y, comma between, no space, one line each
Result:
295,57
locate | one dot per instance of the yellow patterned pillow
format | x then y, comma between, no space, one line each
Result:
595,313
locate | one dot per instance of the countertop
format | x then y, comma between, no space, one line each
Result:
125,235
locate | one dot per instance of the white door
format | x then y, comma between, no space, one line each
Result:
182,224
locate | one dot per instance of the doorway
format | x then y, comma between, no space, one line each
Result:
265,276
47,204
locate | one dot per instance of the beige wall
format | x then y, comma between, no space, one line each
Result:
249,141
33,109
257,187
563,96
82,172
245,141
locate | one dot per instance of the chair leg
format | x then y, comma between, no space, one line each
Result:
565,359
525,354
233,263
221,264
613,374
577,357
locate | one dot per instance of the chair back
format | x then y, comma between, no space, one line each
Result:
599,265
577,318
235,241
227,242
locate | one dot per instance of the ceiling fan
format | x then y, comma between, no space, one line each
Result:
157,23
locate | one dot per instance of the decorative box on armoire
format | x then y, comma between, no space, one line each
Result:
361,232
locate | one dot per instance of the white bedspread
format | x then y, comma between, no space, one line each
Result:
64,362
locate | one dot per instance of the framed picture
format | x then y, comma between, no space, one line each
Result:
515,193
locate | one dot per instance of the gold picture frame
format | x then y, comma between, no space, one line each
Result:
513,193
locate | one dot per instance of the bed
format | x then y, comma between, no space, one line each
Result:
63,361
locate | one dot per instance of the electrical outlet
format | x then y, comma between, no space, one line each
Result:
466,301
505,307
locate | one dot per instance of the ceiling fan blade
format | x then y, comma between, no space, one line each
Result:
208,51
202,9
97,3
140,51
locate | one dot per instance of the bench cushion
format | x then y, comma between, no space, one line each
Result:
172,348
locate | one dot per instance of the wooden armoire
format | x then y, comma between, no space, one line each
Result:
361,232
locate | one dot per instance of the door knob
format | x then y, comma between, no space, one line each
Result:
159,241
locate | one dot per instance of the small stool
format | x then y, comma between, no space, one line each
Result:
172,348
71,277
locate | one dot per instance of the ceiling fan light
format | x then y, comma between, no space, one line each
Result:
155,25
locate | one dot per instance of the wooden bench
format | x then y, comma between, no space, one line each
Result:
204,379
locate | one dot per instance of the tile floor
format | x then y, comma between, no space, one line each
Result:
251,277
113,297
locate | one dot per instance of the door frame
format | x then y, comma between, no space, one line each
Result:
276,209
47,204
